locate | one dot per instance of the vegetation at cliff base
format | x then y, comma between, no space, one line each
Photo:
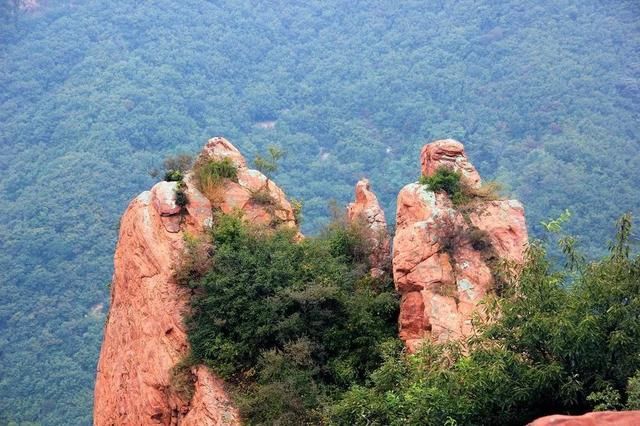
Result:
564,341
304,335
289,324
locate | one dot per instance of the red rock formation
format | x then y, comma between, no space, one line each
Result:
239,195
448,153
442,257
367,210
144,336
600,418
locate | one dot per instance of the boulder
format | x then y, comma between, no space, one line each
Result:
598,418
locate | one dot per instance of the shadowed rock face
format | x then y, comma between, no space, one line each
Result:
443,256
144,336
366,209
601,418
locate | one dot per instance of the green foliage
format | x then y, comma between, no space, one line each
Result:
561,343
269,165
291,323
446,180
210,174
449,181
182,199
296,206
555,225
173,176
633,392
607,399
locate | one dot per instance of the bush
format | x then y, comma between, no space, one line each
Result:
479,239
182,199
176,166
449,181
452,234
445,180
296,206
173,176
195,261
182,381
633,392
210,174
263,197
291,324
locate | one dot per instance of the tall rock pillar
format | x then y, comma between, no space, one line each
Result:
144,337
444,254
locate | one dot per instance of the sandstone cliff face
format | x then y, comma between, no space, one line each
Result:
144,336
443,256
601,418
367,210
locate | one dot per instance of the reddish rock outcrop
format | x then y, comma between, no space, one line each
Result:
241,195
367,210
448,153
600,418
144,336
443,256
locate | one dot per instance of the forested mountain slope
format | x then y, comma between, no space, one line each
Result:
95,93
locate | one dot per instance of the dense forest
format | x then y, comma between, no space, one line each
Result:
94,94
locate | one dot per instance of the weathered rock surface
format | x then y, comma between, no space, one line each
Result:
600,418
144,336
367,210
443,256
241,195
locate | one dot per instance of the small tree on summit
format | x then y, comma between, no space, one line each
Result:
268,165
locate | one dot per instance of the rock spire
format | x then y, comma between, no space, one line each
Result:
444,255
144,335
